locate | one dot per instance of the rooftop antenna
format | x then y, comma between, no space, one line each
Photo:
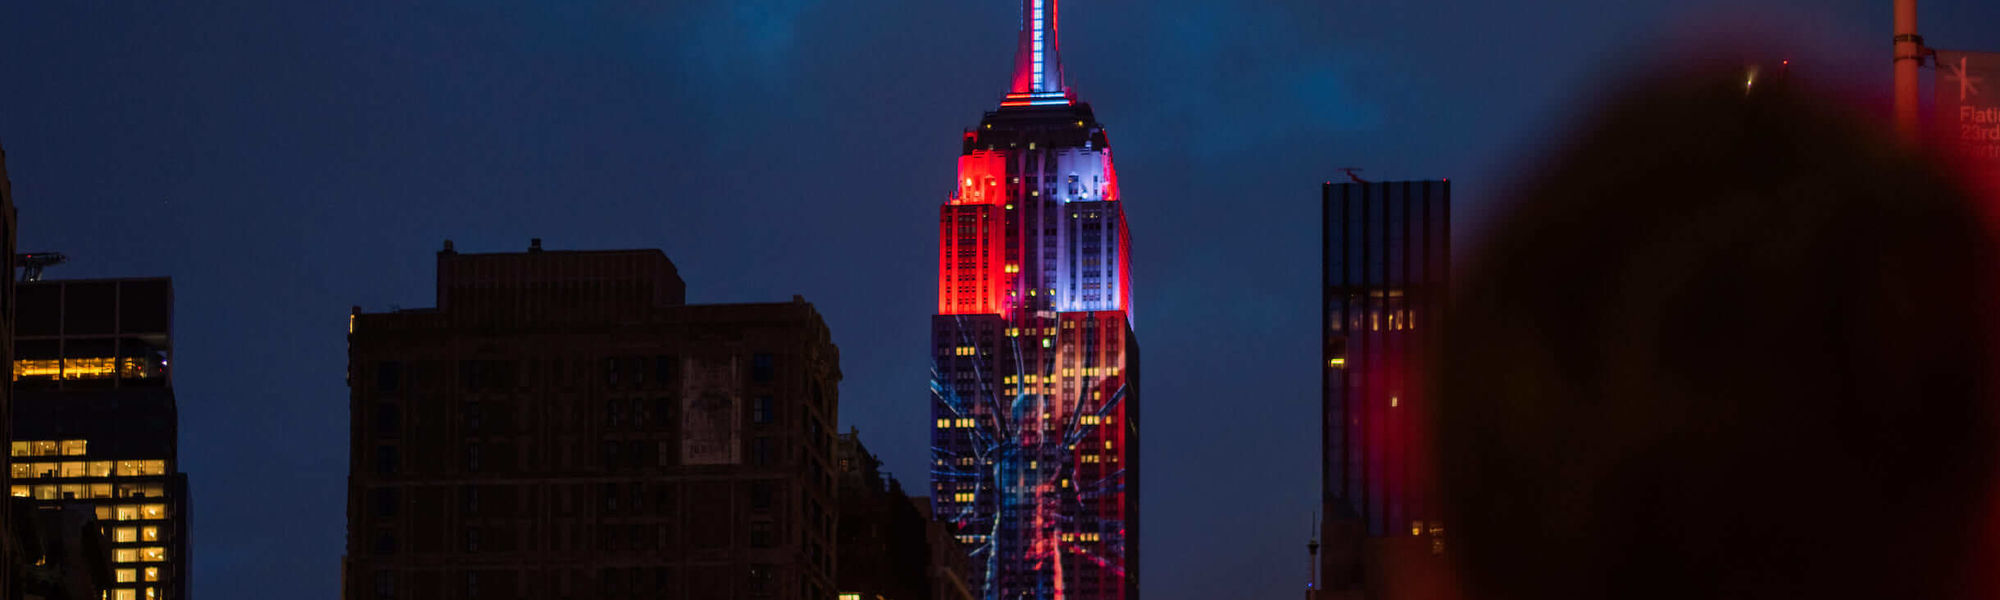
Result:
32,263
1352,176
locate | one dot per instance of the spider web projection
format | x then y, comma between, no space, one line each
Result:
1028,451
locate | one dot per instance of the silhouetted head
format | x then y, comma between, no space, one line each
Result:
1733,343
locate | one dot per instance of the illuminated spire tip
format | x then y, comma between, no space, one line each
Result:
1038,79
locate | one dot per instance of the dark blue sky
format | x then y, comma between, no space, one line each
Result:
285,162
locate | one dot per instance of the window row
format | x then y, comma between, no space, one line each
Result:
150,593
135,575
88,368
131,512
95,468
142,554
50,447
88,491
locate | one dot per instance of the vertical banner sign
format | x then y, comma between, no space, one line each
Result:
710,397
1968,105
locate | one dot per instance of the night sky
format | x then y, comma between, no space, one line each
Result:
284,163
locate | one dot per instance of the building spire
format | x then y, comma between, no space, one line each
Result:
1038,79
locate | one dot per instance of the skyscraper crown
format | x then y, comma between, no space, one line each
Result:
1038,79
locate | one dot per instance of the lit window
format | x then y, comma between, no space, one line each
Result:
152,573
153,554
73,447
22,471
20,449
22,491
125,555
126,575
125,594
154,467
124,534
149,534
71,469
46,492
97,468
45,448
153,511
128,512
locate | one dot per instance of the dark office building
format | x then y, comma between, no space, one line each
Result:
564,425
1386,249
949,574
9,561
889,548
95,423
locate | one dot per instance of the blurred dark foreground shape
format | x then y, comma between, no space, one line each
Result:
1732,343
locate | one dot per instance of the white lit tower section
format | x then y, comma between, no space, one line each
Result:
1035,388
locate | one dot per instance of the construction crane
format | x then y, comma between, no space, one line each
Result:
32,263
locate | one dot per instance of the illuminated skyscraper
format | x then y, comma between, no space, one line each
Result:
1387,257
1035,384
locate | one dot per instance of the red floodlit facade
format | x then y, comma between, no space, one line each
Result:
1035,384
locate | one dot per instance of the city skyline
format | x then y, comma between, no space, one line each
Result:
306,150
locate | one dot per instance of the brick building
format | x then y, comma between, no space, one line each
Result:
564,425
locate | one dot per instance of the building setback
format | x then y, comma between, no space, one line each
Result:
1035,395
564,425
95,425
1386,262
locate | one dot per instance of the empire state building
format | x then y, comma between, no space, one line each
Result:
1035,384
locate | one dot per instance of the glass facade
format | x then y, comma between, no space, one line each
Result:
95,423
1386,265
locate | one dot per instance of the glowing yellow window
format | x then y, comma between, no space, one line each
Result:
104,513
19,448
152,573
97,468
153,467
152,593
125,555
74,447
46,492
125,594
45,448
71,469
21,491
124,534
153,511
153,554
125,575
149,534
128,512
